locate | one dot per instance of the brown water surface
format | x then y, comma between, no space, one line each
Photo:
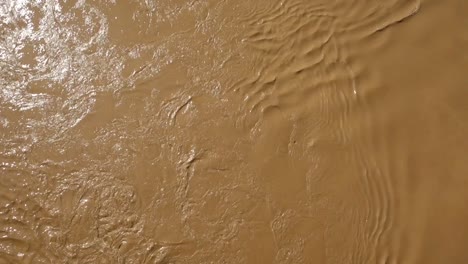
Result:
258,131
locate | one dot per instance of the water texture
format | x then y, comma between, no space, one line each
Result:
267,131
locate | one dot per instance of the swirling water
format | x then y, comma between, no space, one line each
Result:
283,131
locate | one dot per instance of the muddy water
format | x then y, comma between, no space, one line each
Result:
272,131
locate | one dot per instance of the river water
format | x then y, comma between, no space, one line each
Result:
257,131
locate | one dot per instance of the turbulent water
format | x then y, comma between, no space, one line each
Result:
268,131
